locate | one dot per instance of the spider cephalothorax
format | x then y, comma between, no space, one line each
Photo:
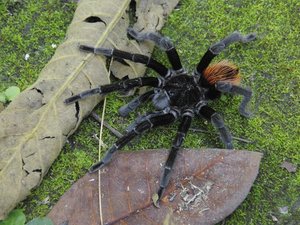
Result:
176,95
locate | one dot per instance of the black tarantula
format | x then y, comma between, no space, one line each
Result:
175,93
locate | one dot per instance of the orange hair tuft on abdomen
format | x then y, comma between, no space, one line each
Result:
222,71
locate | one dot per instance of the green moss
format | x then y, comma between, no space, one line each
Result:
30,27
270,66
69,167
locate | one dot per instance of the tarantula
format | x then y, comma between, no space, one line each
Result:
176,95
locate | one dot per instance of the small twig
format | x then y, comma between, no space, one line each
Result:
242,140
199,130
110,128
235,138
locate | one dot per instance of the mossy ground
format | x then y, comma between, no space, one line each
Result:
270,66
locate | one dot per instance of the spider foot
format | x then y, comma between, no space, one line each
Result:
160,192
72,99
229,145
126,109
99,51
106,159
236,36
244,113
157,197
96,167
86,48
249,37
162,42
82,95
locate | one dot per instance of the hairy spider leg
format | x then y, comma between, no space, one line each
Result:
162,42
119,86
181,133
136,102
147,116
218,47
139,58
234,89
152,121
217,121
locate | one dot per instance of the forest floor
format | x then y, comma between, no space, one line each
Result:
270,66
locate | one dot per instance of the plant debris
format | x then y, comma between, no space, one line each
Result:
292,168
193,196
205,186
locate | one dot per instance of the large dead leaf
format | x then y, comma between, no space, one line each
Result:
206,186
35,126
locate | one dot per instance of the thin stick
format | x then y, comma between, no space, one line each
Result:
199,130
242,140
99,158
111,129
235,138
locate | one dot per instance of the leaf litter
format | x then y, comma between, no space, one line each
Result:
290,167
205,187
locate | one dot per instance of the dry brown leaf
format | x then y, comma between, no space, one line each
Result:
292,168
205,187
35,126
